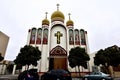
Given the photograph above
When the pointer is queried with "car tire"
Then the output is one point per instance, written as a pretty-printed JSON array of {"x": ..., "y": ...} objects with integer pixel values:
[{"x": 86, "y": 79}]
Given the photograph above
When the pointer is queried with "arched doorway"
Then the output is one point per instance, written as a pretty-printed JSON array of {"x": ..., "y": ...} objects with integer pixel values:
[{"x": 58, "y": 58}]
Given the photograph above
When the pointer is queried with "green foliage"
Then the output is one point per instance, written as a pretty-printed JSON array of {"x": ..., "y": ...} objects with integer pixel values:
[
  {"x": 100, "y": 58},
  {"x": 28, "y": 55},
  {"x": 78, "y": 57},
  {"x": 108, "y": 56},
  {"x": 18, "y": 67}
]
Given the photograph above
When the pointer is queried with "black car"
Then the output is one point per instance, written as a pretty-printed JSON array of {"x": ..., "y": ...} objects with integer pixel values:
[
  {"x": 31, "y": 74},
  {"x": 97, "y": 76},
  {"x": 56, "y": 74}
]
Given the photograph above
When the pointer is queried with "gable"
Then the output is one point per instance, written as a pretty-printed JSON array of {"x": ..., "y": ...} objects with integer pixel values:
[{"x": 58, "y": 51}]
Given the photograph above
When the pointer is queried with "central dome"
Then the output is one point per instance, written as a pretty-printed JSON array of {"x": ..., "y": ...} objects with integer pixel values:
[{"x": 57, "y": 15}]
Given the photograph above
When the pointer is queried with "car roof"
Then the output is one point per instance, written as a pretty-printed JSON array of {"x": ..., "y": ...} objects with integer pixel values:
[
  {"x": 99, "y": 73},
  {"x": 58, "y": 71}
]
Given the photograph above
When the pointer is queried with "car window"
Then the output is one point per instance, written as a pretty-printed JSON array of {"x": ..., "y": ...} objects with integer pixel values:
[{"x": 97, "y": 73}]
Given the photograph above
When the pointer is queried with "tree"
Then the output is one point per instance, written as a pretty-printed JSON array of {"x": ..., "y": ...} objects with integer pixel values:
[
  {"x": 108, "y": 57},
  {"x": 28, "y": 55},
  {"x": 1, "y": 58},
  {"x": 78, "y": 57}
]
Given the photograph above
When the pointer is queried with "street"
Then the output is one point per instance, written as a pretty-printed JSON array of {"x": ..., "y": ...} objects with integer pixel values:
[{"x": 14, "y": 77}]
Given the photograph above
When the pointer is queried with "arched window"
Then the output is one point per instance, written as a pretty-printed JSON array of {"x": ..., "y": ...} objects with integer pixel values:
[
  {"x": 45, "y": 36},
  {"x": 71, "y": 37},
  {"x": 33, "y": 36},
  {"x": 39, "y": 36},
  {"x": 77, "y": 38},
  {"x": 82, "y": 34}
]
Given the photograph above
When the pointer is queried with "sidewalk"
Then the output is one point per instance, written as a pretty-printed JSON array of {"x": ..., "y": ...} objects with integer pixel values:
[
  {"x": 8, "y": 77},
  {"x": 14, "y": 77}
]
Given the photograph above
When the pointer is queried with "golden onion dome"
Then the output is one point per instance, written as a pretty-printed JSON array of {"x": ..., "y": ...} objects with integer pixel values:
[
  {"x": 57, "y": 15},
  {"x": 69, "y": 22},
  {"x": 45, "y": 21}
]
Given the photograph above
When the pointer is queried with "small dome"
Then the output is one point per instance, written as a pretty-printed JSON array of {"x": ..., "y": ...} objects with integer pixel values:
[
  {"x": 69, "y": 23},
  {"x": 57, "y": 15},
  {"x": 45, "y": 22}
]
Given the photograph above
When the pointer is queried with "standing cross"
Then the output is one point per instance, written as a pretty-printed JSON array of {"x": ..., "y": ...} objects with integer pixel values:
[
  {"x": 46, "y": 15},
  {"x": 58, "y": 6},
  {"x": 58, "y": 35},
  {"x": 69, "y": 15}
]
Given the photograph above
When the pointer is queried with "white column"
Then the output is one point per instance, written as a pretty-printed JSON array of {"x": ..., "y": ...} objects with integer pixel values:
[
  {"x": 3, "y": 69},
  {"x": 14, "y": 68}
]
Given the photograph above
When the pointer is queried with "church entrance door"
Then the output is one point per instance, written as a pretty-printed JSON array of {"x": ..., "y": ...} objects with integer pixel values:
[
  {"x": 58, "y": 58},
  {"x": 58, "y": 63}
]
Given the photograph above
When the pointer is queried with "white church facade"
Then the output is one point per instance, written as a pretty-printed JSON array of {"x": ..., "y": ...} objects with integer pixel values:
[{"x": 55, "y": 38}]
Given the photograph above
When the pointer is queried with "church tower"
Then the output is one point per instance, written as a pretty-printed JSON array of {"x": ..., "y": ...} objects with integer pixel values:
[
  {"x": 55, "y": 39},
  {"x": 58, "y": 39}
]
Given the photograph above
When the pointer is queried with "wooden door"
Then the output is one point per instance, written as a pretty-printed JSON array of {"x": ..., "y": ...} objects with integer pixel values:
[{"x": 60, "y": 63}]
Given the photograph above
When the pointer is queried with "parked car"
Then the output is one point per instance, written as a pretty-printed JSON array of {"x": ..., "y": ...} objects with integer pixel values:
[
  {"x": 29, "y": 75},
  {"x": 57, "y": 74},
  {"x": 97, "y": 76}
]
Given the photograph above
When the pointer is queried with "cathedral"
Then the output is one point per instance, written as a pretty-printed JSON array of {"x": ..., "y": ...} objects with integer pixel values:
[{"x": 55, "y": 38}]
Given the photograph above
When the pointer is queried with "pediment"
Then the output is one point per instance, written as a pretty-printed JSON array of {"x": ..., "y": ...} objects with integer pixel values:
[{"x": 58, "y": 51}]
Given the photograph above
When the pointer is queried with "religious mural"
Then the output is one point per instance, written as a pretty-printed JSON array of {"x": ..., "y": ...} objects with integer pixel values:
[
  {"x": 39, "y": 35},
  {"x": 45, "y": 36},
  {"x": 58, "y": 51},
  {"x": 33, "y": 35},
  {"x": 77, "y": 38},
  {"x": 82, "y": 34},
  {"x": 71, "y": 37}
]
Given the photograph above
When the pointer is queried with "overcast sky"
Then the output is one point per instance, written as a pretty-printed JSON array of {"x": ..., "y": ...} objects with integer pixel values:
[{"x": 100, "y": 18}]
